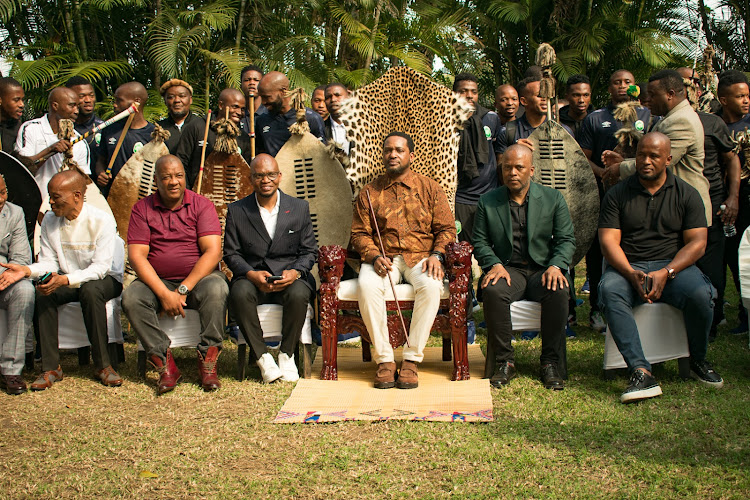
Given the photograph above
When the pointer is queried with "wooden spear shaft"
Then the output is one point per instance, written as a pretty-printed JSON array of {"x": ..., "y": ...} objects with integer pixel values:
[
  {"x": 203, "y": 153},
  {"x": 390, "y": 279}
]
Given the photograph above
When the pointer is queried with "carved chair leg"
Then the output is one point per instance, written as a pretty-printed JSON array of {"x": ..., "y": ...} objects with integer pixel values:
[
  {"x": 366, "y": 353},
  {"x": 446, "y": 347},
  {"x": 330, "y": 348}
]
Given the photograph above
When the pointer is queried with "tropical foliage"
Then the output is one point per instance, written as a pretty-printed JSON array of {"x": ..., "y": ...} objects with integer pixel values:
[{"x": 207, "y": 42}]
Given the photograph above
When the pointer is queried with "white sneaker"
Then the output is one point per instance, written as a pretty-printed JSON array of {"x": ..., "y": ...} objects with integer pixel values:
[
  {"x": 269, "y": 370},
  {"x": 288, "y": 368},
  {"x": 596, "y": 321}
]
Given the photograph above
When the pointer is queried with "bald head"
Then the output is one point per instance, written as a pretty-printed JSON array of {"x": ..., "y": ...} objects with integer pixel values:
[
  {"x": 272, "y": 91},
  {"x": 66, "y": 190},
  {"x": 232, "y": 103},
  {"x": 168, "y": 161},
  {"x": 657, "y": 139},
  {"x": 652, "y": 157},
  {"x": 506, "y": 102},
  {"x": 63, "y": 103},
  {"x": 128, "y": 93},
  {"x": 520, "y": 151},
  {"x": 274, "y": 80},
  {"x": 263, "y": 160}
]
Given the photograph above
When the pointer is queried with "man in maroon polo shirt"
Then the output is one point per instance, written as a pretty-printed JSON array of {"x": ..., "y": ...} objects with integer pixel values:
[{"x": 174, "y": 246}]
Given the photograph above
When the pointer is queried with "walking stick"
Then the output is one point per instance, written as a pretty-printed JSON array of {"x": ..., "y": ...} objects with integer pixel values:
[
  {"x": 252, "y": 126},
  {"x": 203, "y": 153},
  {"x": 390, "y": 279},
  {"x": 123, "y": 114},
  {"x": 119, "y": 143}
]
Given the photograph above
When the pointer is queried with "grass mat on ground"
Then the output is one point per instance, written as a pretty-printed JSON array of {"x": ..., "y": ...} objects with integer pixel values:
[{"x": 82, "y": 440}]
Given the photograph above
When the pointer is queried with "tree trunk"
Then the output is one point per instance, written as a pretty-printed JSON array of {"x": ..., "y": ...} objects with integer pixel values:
[
  {"x": 69, "y": 36},
  {"x": 368, "y": 61},
  {"x": 79, "y": 30},
  {"x": 240, "y": 24}
]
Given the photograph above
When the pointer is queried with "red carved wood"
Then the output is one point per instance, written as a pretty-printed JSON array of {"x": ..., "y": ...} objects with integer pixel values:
[{"x": 450, "y": 321}]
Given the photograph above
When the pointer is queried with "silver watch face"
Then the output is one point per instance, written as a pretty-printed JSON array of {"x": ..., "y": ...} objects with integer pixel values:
[{"x": 182, "y": 290}]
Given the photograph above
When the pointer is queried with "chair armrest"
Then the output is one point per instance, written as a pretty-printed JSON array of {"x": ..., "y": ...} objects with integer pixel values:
[{"x": 331, "y": 260}]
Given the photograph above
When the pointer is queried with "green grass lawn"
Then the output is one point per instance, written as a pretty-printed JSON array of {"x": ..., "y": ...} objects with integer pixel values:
[{"x": 82, "y": 440}]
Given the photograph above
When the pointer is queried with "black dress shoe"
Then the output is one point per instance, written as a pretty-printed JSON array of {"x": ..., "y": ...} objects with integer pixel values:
[
  {"x": 551, "y": 378},
  {"x": 504, "y": 373}
]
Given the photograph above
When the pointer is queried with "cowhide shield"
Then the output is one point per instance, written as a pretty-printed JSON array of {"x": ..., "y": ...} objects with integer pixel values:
[
  {"x": 134, "y": 181},
  {"x": 309, "y": 173},
  {"x": 226, "y": 179},
  {"x": 407, "y": 101},
  {"x": 560, "y": 164},
  {"x": 22, "y": 189}
]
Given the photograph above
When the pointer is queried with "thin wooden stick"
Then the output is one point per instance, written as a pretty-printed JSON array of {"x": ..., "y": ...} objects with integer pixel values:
[
  {"x": 203, "y": 153},
  {"x": 390, "y": 279},
  {"x": 119, "y": 144},
  {"x": 251, "y": 110}
]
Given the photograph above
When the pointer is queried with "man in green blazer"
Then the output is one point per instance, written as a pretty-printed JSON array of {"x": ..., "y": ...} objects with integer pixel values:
[{"x": 524, "y": 243}]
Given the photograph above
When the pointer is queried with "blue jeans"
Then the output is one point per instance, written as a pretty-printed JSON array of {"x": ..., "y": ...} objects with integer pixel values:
[{"x": 690, "y": 291}]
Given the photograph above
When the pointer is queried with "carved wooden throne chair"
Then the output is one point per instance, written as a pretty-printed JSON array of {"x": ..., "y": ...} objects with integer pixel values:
[{"x": 337, "y": 296}]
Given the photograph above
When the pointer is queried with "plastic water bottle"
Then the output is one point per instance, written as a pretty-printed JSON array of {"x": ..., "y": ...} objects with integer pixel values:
[{"x": 729, "y": 229}]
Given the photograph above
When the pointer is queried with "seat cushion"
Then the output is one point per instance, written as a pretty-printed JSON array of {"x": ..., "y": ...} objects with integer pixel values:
[{"x": 349, "y": 290}]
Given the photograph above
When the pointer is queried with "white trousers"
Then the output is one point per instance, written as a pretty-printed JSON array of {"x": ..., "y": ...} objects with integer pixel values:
[{"x": 372, "y": 288}]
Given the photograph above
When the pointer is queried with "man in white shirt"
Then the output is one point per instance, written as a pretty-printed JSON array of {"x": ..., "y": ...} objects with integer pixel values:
[
  {"x": 37, "y": 138},
  {"x": 76, "y": 264},
  {"x": 336, "y": 94}
]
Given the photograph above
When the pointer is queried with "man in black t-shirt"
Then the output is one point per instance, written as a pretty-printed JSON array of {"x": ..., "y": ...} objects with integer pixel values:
[
  {"x": 87, "y": 117},
  {"x": 597, "y": 134},
  {"x": 11, "y": 111},
  {"x": 190, "y": 148},
  {"x": 652, "y": 229},
  {"x": 137, "y": 136},
  {"x": 578, "y": 95}
]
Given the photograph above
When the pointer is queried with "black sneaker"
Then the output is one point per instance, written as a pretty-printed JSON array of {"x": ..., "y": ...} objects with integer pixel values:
[
  {"x": 504, "y": 372},
  {"x": 703, "y": 372},
  {"x": 642, "y": 386}
]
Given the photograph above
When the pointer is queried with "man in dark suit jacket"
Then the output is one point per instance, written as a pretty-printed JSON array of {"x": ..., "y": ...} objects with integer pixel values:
[
  {"x": 270, "y": 247},
  {"x": 524, "y": 242}
]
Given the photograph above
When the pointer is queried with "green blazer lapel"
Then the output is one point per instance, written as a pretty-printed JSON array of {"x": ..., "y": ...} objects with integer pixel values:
[
  {"x": 503, "y": 212},
  {"x": 534, "y": 210}
]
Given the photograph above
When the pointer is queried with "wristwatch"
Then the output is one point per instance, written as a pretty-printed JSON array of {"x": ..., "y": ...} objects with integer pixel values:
[
  {"x": 183, "y": 290},
  {"x": 670, "y": 272},
  {"x": 439, "y": 256},
  {"x": 299, "y": 273}
]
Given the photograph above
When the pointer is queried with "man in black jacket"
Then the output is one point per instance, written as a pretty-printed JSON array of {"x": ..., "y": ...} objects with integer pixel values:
[{"x": 270, "y": 247}]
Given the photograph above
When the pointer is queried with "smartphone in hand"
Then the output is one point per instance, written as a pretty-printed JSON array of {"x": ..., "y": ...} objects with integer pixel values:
[
  {"x": 271, "y": 279},
  {"x": 45, "y": 278}
]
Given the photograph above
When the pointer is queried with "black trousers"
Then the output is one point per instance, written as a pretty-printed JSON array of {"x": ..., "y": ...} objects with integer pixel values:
[
  {"x": 712, "y": 265},
  {"x": 465, "y": 215},
  {"x": 594, "y": 260},
  {"x": 244, "y": 299},
  {"x": 526, "y": 284},
  {"x": 93, "y": 296}
]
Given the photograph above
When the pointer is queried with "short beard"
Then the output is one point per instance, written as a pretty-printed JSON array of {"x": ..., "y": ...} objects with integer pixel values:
[
  {"x": 179, "y": 116},
  {"x": 651, "y": 177},
  {"x": 396, "y": 171}
]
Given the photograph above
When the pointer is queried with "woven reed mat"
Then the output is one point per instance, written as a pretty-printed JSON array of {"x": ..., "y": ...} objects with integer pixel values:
[{"x": 352, "y": 396}]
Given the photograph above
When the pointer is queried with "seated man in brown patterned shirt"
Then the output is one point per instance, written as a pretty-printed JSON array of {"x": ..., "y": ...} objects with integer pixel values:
[{"x": 416, "y": 223}]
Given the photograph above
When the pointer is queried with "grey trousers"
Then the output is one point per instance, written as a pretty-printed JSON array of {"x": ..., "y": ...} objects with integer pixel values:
[
  {"x": 93, "y": 296},
  {"x": 208, "y": 297},
  {"x": 18, "y": 301}
]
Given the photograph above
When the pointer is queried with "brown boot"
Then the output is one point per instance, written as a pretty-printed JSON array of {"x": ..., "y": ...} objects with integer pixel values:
[
  {"x": 108, "y": 376},
  {"x": 46, "y": 379},
  {"x": 169, "y": 375},
  {"x": 408, "y": 377},
  {"x": 207, "y": 369},
  {"x": 385, "y": 377}
]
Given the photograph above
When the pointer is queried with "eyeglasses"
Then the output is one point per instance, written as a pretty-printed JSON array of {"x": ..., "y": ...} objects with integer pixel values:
[{"x": 271, "y": 176}]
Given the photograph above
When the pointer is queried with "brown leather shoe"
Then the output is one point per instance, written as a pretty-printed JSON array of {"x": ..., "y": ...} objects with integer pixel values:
[
  {"x": 46, "y": 379},
  {"x": 109, "y": 376},
  {"x": 385, "y": 377},
  {"x": 13, "y": 384},
  {"x": 207, "y": 369},
  {"x": 408, "y": 378},
  {"x": 169, "y": 375}
]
